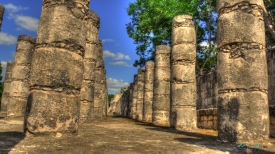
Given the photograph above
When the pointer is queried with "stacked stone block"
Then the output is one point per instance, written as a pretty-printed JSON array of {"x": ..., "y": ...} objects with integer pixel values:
[
  {"x": 140, "y": 93},
  {"x": 133, "y": 105},
  {"x": 148, "y": 92},
  {"x": 242, "y": 72},
  {"x": 19, "y": 87},
  {"x": 7, "y": 86},
  {"x": 207, "y": 118},
  {"x": 130, "y": 100},
  {"x": 105, "y": 97},
  {"x": 183, "y": 76},
  {"x": 2, "y": 10},
  {"x": 99, "y": 86},
  {"x": 87, "y": 89},
  {"x": 57, "y": 67},
  {"x": 161, "y": 91},
  {"x": 207, "y": 90}
]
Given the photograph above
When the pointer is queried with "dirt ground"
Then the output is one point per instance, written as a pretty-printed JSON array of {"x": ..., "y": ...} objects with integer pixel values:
[{"x": 115, "y": 135}]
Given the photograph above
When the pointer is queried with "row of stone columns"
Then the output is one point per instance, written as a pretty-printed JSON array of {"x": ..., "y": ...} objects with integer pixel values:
[{"x": 242, "y": 76}]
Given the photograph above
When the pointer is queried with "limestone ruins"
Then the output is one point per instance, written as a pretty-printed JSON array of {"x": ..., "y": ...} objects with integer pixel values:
[{"x": 58, "y": 80}]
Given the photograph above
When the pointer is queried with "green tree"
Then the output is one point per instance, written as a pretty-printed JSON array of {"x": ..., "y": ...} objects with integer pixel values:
[
  {"x": 122, "y": 90},
  {"x": 151, "y": 22},
  {"x": 110, "y": 96}
]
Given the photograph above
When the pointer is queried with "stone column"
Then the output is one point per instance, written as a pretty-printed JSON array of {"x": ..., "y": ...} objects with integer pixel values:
[
  {"x": 148, "y": 91},
  {"x": 99, "y": 83},
  {"x": 2, "y": 10},
  {"x": 140, "y": 92},
  {"x": 130, "y": 100},
  {"x": 134, "y": 99},
  {"x": 7, "y": 86},
  {"x": 183, "y": 77},
  {"x": 57, "y": 67},
  {"x": 161, "y": 91},
  {"x": 242, "y": 72},
  {"x": 104, "y": 95},
  {"x": 87, "y": 90},
  {"x": 19, "y": 89}
]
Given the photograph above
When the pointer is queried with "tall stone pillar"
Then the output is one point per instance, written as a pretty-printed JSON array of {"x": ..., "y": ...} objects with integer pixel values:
[
  {"x": 242, "y": 72},
  {"x": 57, "y": 67},
  {"x": 99, "y": 83},
  {"x": 140, "y": 93},
  {"x": 87, "y": 89},
  {"x": 183, "y": 77},
  {"x": 134, "y": 99},
  {"x": 130, "y": 100},
  {"x": 2, "y": 10},
  {"x": 148, "y": 92},
  {"x": 161, "y": 91},
  {"x": 7, "y": 86},
  {"x": 104, "y": 94},
  {"x": 19, "y": 89}
]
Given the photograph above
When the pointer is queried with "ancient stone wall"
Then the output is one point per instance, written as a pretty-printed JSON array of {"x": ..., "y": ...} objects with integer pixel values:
[
  {"x": 19, "y": 88},
  {"x": 207, "y": 90},
  {"x": 148, "y": 92},
  {"x": 2, "y": 10},
  {"x": 161, "y": 91},
  {"x": 7, "y": 86},
  {"x": 242, "y": 72},
  {"x": 87, "y": 89},
  {"x": 207, "y": 118},
  {"x": 140, "y": 93},
  {"x": 130, "y": 100},
  {"x": 115, "y": 105},
  {"x": 57, "y": 67},
  {"x": 183, "y": 76}
]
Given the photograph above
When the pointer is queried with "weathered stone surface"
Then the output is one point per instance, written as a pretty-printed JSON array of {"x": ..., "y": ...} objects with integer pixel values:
[
  {"x": 242, "y": 72},
  {"x": 7, "y": 86},
  {"x": 148, "y": 92},
  {"x": 2, "y": 10},
  {"x": 140, "y": 93},
  {"x": 133, "y": 105},
  {"x": 161, "y": 90},
  {"x": 183, "y": 76},
  {"x": 57, "y": 112},
  {"x": 130, "y": 100},
  {"x": 20, "y": 76},
  {"x": 57, "y": 67},
  {"x": 90, "y": 56}
]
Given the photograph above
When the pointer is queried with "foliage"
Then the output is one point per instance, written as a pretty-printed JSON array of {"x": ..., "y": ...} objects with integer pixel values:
[
  {"x": 110, "y": 96},
  {"x": 122, "y": 90},
  {"x": 151, "y": 26},
  {"x": 151, "y": 22}
]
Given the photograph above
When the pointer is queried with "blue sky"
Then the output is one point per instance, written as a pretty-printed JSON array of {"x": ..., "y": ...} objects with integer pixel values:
[{"x": 22, "y": 17}]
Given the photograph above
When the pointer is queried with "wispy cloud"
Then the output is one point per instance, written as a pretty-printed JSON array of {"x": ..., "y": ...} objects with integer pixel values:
[
  {"x": 118, "y": 56},
  {"x": 27, "y": 22},
  {"x": 120, "y": 63},
  {"x": 107, "y": 40},
  {"x": 24, "y": 22},
  {"x": 4, "y": 67},
  {"x": 114, "y": 85},
  {"x": 13, "y": 9},
  {"x": 7, "y": 39}
]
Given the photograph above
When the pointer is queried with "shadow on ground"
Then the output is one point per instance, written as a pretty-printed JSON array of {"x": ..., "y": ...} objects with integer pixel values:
[
  {"x": 10, "y": 139},
  {"x": 208, "y": 139}
]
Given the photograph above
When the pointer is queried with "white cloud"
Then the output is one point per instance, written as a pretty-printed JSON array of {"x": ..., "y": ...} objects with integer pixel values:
[
  {"x": 114, "y": 85},
  {"x": 13, "y": 9},
  {"x": 4, "y": 67},
  {"x": 27, "y": 22},
  {"x": 204, "y": 44},
  {"x": 120, "y": 63},
  {"x": 107, "y": 40},
  {"x": 118, "y": 56},
  {"x": 7, "y": 39}
]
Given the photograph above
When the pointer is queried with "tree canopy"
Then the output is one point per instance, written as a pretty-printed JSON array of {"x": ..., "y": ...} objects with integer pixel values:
[{"x": 151, "y": 25}]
